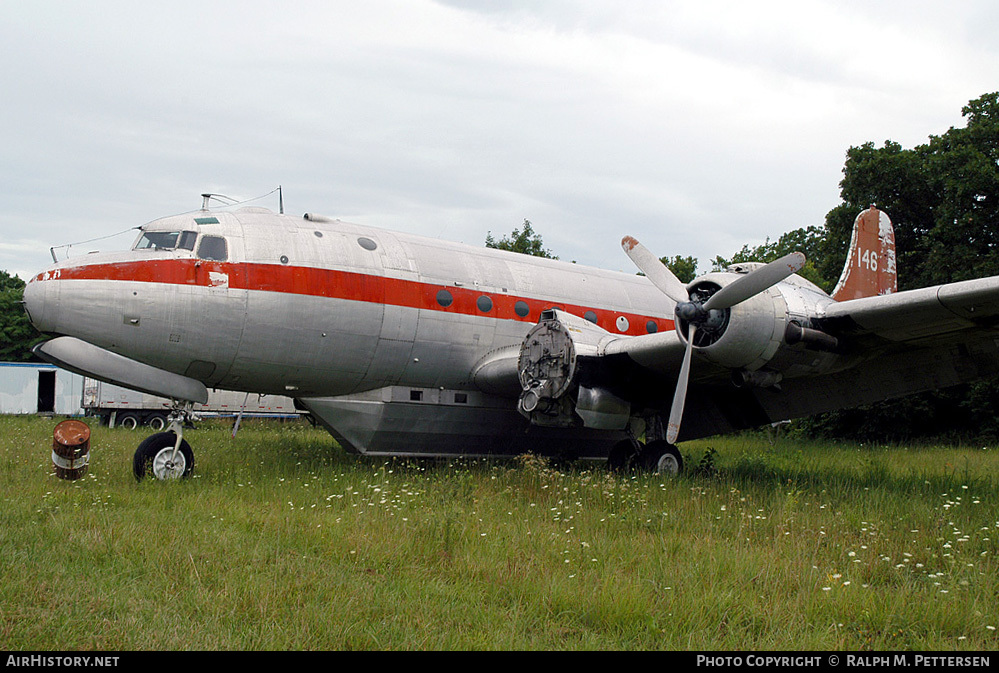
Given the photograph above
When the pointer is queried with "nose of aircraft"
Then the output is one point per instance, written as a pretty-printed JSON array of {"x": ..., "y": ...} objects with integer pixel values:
[{"x": 35, "y": 300}]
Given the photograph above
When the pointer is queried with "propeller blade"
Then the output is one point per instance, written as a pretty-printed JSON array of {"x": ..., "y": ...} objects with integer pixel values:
[
  {"x": 655, "y": 270},
  {"x": 755, "y": 282},
  {"x": 680, "y": 396}
]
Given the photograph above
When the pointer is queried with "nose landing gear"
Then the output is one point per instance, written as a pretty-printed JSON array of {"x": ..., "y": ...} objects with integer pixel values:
[{"x": 166, "y": 455}]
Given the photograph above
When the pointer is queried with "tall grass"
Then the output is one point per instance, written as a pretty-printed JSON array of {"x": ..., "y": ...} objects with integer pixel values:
[{"x": 282, "y": 541}]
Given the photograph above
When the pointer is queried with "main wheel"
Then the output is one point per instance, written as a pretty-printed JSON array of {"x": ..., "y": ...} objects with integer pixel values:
[
  {"x": 155, "y": 456},
  {"x": 661, "y": 457},
  {"x": 622, "y": 456}
]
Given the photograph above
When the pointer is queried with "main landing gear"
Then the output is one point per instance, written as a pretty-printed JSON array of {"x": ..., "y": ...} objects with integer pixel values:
[
  {"x": 657, "y": 457},
  {"x": 166, "y": 455}
]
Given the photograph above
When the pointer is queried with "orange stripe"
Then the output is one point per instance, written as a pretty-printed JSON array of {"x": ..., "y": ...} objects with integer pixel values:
[{"x": 309, "y": 281}]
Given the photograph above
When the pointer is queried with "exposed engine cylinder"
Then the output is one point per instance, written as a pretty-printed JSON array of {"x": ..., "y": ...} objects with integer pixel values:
[{"x": 549, "y": 368}]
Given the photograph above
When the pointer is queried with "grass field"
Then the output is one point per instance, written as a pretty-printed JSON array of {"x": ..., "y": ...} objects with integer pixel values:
[{"x": 282, "y": 541}]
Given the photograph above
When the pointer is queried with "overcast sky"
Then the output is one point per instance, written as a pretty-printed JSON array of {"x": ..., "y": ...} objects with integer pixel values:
[{"x": 695, "y": 126}]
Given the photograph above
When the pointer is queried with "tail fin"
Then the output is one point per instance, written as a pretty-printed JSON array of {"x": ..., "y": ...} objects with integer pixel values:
[{"x": 870, "y": 262}]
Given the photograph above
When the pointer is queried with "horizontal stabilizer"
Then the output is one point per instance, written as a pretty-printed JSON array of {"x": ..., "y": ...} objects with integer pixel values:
[{"x": 88, "y": 360}]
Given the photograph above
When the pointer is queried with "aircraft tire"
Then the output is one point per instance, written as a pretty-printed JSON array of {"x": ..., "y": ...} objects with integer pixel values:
[
  {"x": 152, "y": 458},
  {"x": 128, "y": 421},
  {"x": 622, "y": 456},
  {"x": 661, "y": 457}
]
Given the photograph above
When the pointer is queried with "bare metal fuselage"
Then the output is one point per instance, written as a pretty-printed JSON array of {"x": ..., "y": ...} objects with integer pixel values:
[{"x": 322, "y": 309}]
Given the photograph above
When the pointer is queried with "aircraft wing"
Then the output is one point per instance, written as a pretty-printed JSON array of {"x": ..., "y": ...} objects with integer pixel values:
[
  {"x": 890, "y": 346},
  {"x": 886, "y": 346},
  {"x": 917, "y": 315}
]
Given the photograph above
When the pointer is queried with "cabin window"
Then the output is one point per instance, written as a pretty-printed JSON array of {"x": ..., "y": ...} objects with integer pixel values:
[
  {"x": 591, "y": 316},
  {"x": 651, "y": 327},
  {"x": 186, "y": 240},
  {"x": 213, "y": 248},
  {"x": 522, "y": 309},
  {"x": 484, "y": 303},
  {"x": 444, "y": 298}
]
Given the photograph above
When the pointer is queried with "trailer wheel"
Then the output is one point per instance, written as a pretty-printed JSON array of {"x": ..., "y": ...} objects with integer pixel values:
[
  {"x": 128, "y": 421},
  {"x": 156, "y": 422},
  {"x": 155, "y": 457}
]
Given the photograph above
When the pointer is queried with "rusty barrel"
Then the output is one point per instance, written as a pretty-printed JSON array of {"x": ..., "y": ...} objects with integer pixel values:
[{"x": 71, "y": 449}]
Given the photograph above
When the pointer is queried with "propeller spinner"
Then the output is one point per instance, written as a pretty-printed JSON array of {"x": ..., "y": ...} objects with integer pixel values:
[{"x": 704, "y": 313}]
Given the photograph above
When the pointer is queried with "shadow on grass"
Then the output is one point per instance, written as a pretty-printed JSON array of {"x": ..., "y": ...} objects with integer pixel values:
[{"x": 869, "y": 473}]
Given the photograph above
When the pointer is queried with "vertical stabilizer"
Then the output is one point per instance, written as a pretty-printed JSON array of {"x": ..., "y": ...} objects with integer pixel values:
[{"x": 870, "y": 262}]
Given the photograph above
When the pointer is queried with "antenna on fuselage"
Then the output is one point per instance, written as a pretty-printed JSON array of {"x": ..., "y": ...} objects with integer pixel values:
[
  {"x": 280, "y": 200},
  {"x": 221, "y": 198}
]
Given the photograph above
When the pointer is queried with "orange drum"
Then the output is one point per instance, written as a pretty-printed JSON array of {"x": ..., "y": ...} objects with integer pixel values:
[{"x": 71, "y": 449}]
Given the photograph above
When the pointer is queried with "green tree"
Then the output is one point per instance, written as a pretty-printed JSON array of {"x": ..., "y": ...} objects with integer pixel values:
[
  {"x": 684, "y": 268},
  {"x": 17, "y": 335},
  {"x": 523, "y": 240},
  {"x": 943, "y": 199},
  {"x": 809, "y": 240},
  {"x": 962, "y": 166}
]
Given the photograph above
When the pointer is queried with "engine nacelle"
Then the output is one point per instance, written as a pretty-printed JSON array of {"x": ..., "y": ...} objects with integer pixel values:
[
  {"x": 745, "y": 336},
  {"x": 549, "y": 371}
]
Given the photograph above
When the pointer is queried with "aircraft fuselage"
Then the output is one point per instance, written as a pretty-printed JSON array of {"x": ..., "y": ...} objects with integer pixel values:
[{"x": 318, "y": 307}]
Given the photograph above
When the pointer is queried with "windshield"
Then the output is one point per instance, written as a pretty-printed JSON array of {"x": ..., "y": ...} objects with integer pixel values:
[{"x": 167, "y": 240}]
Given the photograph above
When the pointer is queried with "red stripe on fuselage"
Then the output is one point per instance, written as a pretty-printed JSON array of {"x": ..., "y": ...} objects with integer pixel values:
[{"x": 347, "y": 285}]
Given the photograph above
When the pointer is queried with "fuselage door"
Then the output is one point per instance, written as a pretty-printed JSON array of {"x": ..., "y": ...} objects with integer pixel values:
[{"x": 219, "y": 278}]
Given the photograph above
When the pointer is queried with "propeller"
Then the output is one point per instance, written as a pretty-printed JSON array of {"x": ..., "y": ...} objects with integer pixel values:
[
  {"x": 700, "y": 314},
  {"x": 755, "y": 282},
  {"x": 680, "y": 394},
  {"x": 656, "y": 271}
]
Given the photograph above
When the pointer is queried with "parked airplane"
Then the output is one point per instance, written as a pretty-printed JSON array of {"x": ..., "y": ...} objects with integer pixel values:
[{"x": 406, "y": 346}]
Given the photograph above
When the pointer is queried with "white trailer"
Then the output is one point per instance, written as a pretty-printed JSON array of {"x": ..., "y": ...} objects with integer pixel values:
[{"x": 123, "y": 407}]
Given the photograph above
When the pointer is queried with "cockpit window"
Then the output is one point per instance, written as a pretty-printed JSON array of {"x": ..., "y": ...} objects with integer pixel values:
[
  {"x": 167, "y": 240},
  {"x": 186, "y": 241},
  {"x": 213, "y": 248}
]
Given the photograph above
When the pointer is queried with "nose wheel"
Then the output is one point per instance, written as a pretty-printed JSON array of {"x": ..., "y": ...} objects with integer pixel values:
[
  {"x": 165, "y": 455},
  {"x": 160, "y": 456}
]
